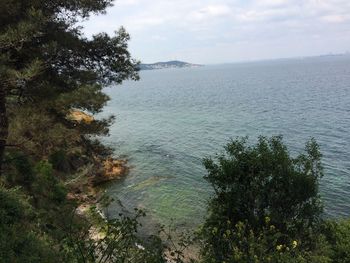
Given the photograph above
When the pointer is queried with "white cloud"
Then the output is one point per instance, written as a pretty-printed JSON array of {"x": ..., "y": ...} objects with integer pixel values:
[
  {"x": 145, "y": 22},
  {"x": 126, "y": 2},
  {"x": 166, "y": 27},
  {"x": 211, "y": 11},
  {"x": 272, "y": 3},
  {"x": 158, "y": 38},
  {"x": 336, "y": 18},
  {"x": 261, "y": 15}
]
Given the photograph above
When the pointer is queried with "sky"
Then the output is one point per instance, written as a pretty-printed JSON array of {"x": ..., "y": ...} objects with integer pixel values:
[{"x": 225, "y": 31}]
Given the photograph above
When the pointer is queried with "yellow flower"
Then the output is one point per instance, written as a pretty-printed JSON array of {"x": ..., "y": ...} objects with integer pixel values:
[
  {"x": 239, "y": 225},
  {"x": 294, "y": 244},
  {"x": 279, "y": 247},
  {"x": 267, "y": 220}
]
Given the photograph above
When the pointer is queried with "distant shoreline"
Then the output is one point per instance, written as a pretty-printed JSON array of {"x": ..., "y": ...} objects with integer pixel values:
[
  {"x": 167, "y": 65},
  {"x": 343, "y": 55}
]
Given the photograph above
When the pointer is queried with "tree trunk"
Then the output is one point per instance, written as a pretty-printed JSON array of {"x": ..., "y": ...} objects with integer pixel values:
[{"x": 3, "y": 125}]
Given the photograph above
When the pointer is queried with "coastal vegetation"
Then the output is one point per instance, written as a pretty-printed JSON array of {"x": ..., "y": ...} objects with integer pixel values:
[{"x": 266, "y": 205}]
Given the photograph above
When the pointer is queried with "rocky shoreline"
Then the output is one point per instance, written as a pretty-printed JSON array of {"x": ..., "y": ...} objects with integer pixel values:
[
  {"x": 88, "y": 185},
  {"x": 88, "y": 189}
]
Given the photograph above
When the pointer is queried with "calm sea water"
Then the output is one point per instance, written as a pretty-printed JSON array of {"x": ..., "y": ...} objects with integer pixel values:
[{"x": 167, "y": 122}]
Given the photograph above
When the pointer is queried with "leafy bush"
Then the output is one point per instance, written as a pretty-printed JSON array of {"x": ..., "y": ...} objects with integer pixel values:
[
  {"x": 243, "y": 245},
  {"x": 59, "y": 161},
  {"x": 19, "y": 242},
  {"x": 114, "y": 240},
  {"x": 338, "y": 236},
  {"x": 46, "y": 184},
  {"x": 252, "y": 183}
]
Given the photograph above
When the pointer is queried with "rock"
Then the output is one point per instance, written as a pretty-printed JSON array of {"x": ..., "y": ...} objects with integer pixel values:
[
  {"x": 80, "y": 116},
  {"x": 82, "y": 209},
  {"x": 112, "y": 169}
]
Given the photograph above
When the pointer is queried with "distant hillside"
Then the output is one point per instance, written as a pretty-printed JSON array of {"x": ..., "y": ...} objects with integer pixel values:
[{"x": 168, "y": 64}]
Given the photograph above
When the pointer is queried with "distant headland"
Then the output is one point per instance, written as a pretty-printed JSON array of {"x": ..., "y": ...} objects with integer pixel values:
[{"x": 168, "y": 64}]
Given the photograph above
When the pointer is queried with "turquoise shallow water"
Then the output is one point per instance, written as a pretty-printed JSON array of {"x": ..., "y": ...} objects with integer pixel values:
[{"x": 167, "y": 122}]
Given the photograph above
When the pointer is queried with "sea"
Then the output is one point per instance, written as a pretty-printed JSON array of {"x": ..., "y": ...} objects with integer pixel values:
[{"x": 171, "y": 119}]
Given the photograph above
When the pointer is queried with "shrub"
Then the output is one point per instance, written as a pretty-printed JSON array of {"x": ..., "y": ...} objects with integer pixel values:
[
  {"x": 252, "y": 183},
  {"x": 19, "y": 241},
  {"x": 338, "y": 236}
]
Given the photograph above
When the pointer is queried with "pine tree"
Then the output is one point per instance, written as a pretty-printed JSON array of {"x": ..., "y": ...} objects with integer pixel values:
[{"x": 47, "y": 62}]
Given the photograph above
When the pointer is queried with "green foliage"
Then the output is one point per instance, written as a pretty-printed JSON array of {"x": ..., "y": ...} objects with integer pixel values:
[
  {"x": 48, "y": 68},
  {"x": 266, "y": 206},
  {"x": 115, "y": 241},
  {"x": 47, "y": 64},
  {"x": 47, "y": 185},
  {"x": 59, "y": 161},
  {"x": 22, "y": 173},
  {"x": 44, "y": 53},
  {"x": 19, "y": 242},
  {"x": 15, "y": 35},
  {"x": 87, "y": 97},
  {"x": 38, "y": 133},
  {"x": 253, "y": 183},
  {"x": 338, "y": 236},
  {"x": 242, "y": 245}
]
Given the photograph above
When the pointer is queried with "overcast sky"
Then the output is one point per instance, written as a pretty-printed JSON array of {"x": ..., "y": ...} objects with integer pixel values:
[{"x": 220, "y": 31}]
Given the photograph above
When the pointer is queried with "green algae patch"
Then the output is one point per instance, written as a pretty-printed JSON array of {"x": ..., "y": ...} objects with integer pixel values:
[
  {"x": 148, "y": 183},
  {"x": 164, "y": 202}
]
